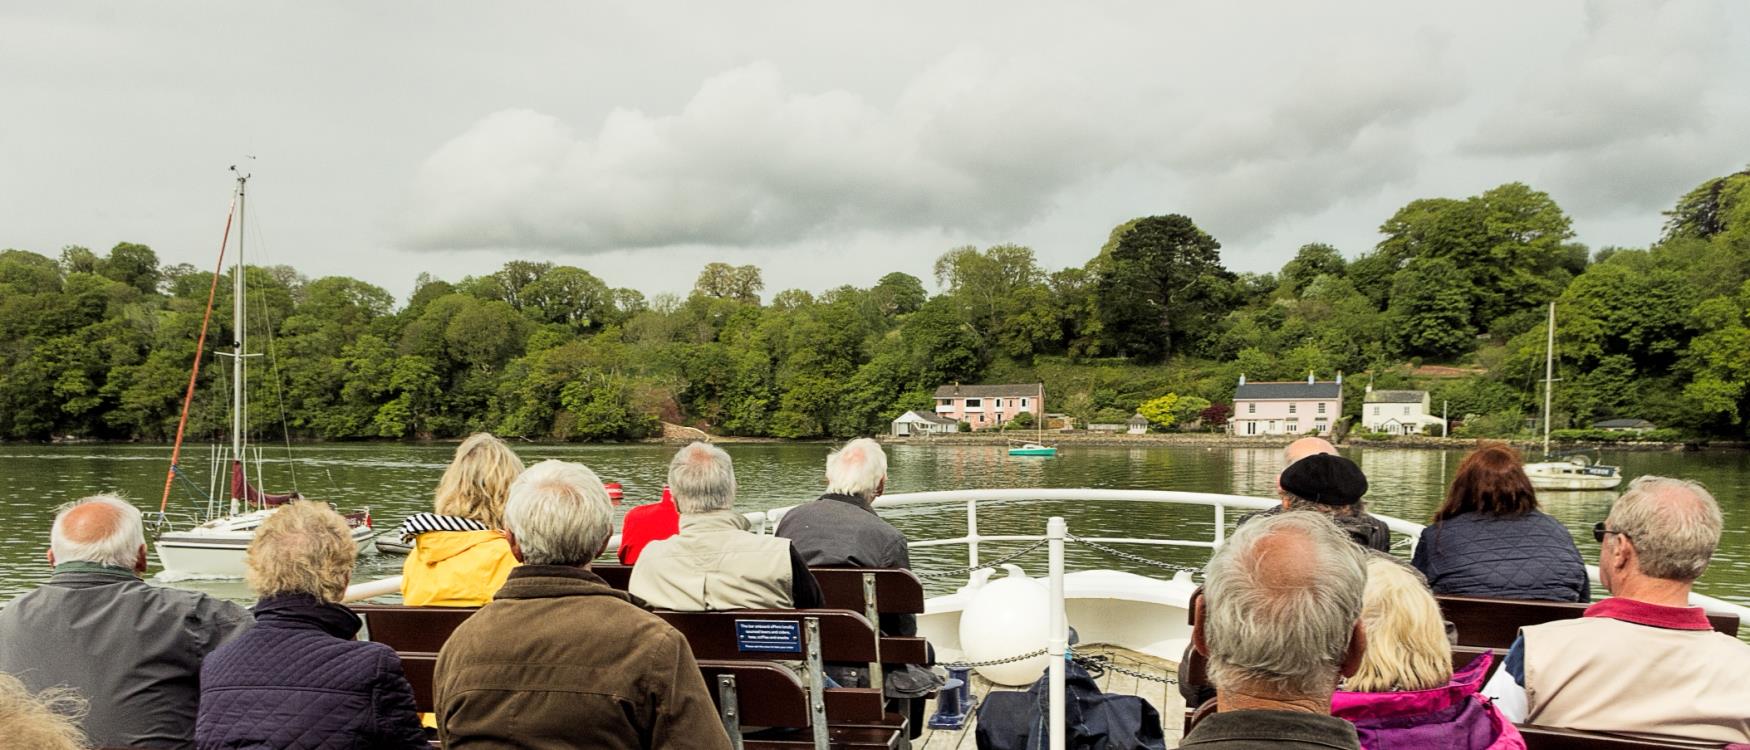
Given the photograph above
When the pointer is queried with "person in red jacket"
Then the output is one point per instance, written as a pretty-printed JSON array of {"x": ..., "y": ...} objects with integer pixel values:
[{"x": 646, "y": 524}]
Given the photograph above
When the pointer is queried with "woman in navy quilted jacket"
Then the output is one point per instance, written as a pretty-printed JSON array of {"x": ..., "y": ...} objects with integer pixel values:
[
  {"x": 1489, "y": 538},
  {"x": 298, "y": 680}
]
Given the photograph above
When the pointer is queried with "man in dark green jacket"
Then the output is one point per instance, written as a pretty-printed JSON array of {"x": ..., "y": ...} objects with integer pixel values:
[
  {"x": 558, "y": 659},
  {"x": 132, "y": 649}
]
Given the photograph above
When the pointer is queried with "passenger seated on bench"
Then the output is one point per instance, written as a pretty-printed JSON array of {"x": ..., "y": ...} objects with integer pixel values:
[
  {"x": 560, "y": 659},
  {"x": 459, "y": 553},
  {"x": 648, "y": 523},
  {"x": 1319, "y": 480},
  {"x": 131, "y": 649},
  {"x": 841, "y": 530},
  {"x": 715, "y": 562},
  {"x": 1643, "y": 662},
  {"x": 1405, "y": 694},
  {"x": 298, "y": 678},
  {"x": 1280, "y": 622},
  {"x": 1490, "y": 539},
  {"x": 43, "y": 721}
]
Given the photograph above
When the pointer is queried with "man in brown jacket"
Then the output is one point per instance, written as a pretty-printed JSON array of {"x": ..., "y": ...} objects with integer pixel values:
[{"x": 558, "y": 659}]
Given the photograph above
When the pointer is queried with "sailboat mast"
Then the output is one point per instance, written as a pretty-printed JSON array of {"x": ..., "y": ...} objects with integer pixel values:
[
  {"x": 238, "y": 339},
  {"x": 1549, "y": 374}
]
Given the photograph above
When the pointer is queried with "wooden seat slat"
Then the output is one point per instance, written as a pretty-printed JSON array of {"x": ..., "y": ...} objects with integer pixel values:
[
  {"x": 1492, "y": 622},
  {"x": 1551, "y": 738},
  {"x": 897, "y": 591},
  {"x": 844, "y": 636}
]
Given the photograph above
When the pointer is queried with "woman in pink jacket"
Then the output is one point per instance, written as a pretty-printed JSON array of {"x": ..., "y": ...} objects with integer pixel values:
[{"x": 1406, "y": 695}]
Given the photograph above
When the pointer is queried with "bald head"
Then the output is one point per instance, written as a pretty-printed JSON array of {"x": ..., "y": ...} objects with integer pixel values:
[
  {"x": 102, "y": 529},
  {"x": 702, "y": 479},
  {"x": 1674, "y": 525},
  {"x": 1307, "y": 446}
]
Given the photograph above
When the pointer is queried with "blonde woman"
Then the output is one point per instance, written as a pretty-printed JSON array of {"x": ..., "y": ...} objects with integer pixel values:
[
  {"x": 460, "y": 555},
  {"x": 298, "y": 678},
  {"x": 43, "y": 721},
  {"x": 1405, "y": 694}
]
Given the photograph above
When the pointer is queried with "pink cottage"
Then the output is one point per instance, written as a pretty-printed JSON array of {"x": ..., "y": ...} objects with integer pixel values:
[
  {"x": 989, "y": 405},
  {"x": 1292, "y": 408}
]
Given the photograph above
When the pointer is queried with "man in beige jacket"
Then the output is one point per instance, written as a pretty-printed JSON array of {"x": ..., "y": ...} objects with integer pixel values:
[
  {"x": 1643, "y": 662},
  {"x": 716, "y": 562}
]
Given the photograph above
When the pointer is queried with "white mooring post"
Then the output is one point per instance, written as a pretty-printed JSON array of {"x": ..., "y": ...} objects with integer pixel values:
[{"x": 1057, "y": 641}]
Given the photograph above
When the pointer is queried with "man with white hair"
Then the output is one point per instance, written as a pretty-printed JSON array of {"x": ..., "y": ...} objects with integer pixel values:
[
  {"x": 560, "y": 659},
  {"x": 840, "y": 528},
  {"x": 715, "y": 562},
  {"x": 1642, "y": 662},
  {"x": 131, "y": 649},
  {"x": 1280, "y": 623}
]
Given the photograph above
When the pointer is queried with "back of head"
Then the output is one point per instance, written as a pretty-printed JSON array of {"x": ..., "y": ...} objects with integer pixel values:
[
  {"x": 45, "y": 721},
  {"x": 1490, "y": 481},
  {"x": 1406, "y": 636},
  {"x": 1324, "y": 479},
  {"x": 701, "y": 478},
  {"x": 1307, "y": 446},
  {"x": 102, "y": 529},
  {"x": 559, "y": 513},
  {"x": 302, "y": 548},
  {"x": 1674, "y": 525},
  {"x": 1281, "y": 599},
  {"x": 857, "y": 469},
  {"x": 478, "y": 480}
]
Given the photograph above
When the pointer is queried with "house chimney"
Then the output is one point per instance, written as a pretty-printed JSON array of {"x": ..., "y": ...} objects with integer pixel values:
[
  {"x": 1242, "y": 378},
  {"x": 1339, "y": 377},
  {"x": 1309, "y": 377}
]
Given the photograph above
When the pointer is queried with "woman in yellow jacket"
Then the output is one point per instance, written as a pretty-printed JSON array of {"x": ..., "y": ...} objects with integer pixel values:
[{"x": 460, "y": 555}]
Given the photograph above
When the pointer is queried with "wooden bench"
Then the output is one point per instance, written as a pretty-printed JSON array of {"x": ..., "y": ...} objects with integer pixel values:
[
  {"x": 747, "y": 685},
  {"x": 1495, "y": 623},
  {"x": 1551, "y": 738}
]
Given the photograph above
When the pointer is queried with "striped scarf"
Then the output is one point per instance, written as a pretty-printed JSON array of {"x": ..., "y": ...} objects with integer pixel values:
[{"x": 420, "y": 523}]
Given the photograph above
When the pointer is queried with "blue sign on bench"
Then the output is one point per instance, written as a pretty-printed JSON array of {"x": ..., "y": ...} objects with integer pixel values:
[{"x": 768, "y": 636}]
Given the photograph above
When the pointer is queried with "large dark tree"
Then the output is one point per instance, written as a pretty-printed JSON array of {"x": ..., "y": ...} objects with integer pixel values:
[{"x": 1160, "y": 287}]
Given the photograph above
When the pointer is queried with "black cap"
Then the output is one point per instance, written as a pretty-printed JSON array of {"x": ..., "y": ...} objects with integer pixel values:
[{"x": 1325, "y": 479}]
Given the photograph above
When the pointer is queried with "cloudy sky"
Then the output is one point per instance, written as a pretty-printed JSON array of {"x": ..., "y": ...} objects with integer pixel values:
[{"x": 830, "y": 143}]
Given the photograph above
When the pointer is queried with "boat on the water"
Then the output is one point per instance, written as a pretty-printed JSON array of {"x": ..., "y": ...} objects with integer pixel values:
[
  {"x": 213, "y": 544},
  {"x": 1574, "y": 472},
  {"x": 1032, "y": 449}
]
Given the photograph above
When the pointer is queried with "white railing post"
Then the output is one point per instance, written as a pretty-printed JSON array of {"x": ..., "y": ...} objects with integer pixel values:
[
  {"x": 972, "y": 533},
  {"x": 1057, "y": 640},
  {"x": 1220, "y": 524}
]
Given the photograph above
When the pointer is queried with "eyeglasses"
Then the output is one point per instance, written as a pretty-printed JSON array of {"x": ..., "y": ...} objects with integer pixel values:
[{"x": 1599, "y": 530}]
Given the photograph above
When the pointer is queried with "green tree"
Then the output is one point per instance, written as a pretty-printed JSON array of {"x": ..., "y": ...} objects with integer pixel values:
[
  {"x": 1431, "y": 309},
  {"x": 1160, "y": 287},
  {"x": 724, "y": 281},
  {"x": 1161, "y": 411},
  {"x": 1312, "y": 261}
]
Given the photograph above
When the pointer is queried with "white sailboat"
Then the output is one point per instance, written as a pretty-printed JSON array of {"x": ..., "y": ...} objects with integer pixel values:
[
  {"x": 1575, "y": 472},
  {"x": 214, "y": 547}
]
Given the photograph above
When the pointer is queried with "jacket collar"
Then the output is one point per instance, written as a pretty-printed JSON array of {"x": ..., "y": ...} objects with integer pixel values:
[
  {"x": 1465, "y": 683},
  {"x": 550, "y": 581},
  {"x": 83, "y": 569},
  {"x": 1272, "y": 727},
  {"x": 1651, "y": 615},
  {"x": 306, "y": 612},
  {"x": 716, "y": 520},
  {"x": 852, "y": 499}
]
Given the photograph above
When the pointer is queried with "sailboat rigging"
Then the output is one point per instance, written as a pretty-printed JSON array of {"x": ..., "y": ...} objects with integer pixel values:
[
  {"x": 215, "y": 547},
  {"x": 1575, "y": 472}
]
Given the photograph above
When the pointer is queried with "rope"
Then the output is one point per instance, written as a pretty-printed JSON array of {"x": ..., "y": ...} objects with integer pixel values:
[
  {"x": 274, "y": 362},
  {"x": 195, "y": 371}
]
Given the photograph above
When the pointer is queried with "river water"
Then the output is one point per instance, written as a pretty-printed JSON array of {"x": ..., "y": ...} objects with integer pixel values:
[{"x": 394, "y": 480}]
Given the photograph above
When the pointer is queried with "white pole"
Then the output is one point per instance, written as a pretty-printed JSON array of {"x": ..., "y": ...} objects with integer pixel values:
[
  {"x": 1549, "y": 375},
  {"x": 237, "y": 348},
  {"x": 1058, "y": 641}
]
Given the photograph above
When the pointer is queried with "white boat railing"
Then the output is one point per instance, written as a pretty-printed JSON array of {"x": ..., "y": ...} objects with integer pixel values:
[{"x": 766, "y": 522}]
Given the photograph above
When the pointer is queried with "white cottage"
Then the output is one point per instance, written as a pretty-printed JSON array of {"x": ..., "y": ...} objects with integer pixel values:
[
  {"x": 922, "y": 423},
  {"x": 1400, "y": 413}
]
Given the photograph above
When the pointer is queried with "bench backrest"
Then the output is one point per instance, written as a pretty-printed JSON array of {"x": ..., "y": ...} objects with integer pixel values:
[
  {"x": 1495, "y": 623},
  {"x": 897, "y": 591},
  {"x": 1551, "y": 738}
]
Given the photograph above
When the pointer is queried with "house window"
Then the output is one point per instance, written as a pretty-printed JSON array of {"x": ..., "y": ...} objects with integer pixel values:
[
  {"x": 1294, "y": 425},
  {"x": 1292, "y": 407},
  {"x": 1376, "y": 411},
  {"x": 1320, "y": 426},
  {"x": 1251, "y": 408},
  {"x": 1406, "y": 410},
  {"x": 1023, "y": 403},
  {"x": 974, "y": 403},
  {"x": 1321, "y": 407}
]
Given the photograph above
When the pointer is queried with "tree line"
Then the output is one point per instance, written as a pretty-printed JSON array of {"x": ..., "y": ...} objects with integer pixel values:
[{"x": 99, "y": 346}]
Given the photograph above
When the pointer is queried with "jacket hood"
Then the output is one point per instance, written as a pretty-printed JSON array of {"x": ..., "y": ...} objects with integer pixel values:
[
  {"x": 437, "y": 546},
  {"x": 306, "y": 611},
  {"x": 1465, "y": 683}
]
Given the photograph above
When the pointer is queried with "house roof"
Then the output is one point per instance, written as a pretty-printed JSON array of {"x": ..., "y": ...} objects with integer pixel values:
[
  {"x": 1137, "y": 417},
  {"x": 991, "y": 391},
  {"x": 1290, "y": 390},
  {"x": 1395, "y": 397},
  {"x": 1624, "y": 424},
  {"x": 925, "y": 416}
]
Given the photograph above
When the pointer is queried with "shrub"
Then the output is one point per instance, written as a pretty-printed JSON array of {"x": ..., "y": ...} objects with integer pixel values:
[{"x": 1662, "y": 435}]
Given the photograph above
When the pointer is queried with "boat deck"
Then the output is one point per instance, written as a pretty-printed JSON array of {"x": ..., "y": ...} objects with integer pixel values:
[{"x": 1164, "y": 697}]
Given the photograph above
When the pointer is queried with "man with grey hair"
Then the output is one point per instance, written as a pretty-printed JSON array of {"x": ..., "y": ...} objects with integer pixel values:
[
  {"x": 133, "y": 650},
  {"x": 1280, "y": 623},
  {"x": 560, "y": 659},
  {"x": 840, "y": 529},
  {"x": 1643, "y": 662},
  {"x": 715, "y": 562}
]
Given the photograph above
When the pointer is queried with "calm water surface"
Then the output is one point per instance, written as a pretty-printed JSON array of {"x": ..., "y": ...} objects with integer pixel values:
[{"x": 395, "y": 480}]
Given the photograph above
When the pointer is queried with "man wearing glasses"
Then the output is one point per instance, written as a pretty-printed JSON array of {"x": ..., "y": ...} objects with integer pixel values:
[{"x": 1642, "y": 662}]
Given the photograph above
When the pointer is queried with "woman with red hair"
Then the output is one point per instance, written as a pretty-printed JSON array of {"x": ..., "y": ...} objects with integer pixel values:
[{"x": 1490, "y": 539}]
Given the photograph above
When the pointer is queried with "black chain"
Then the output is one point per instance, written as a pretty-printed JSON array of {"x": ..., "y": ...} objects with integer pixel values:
[
  {"x": 991, "y": 662},
  {"x": 958, "y": 572},
  {"x": 1133, "y": 558},
  {"x": 1097, "y": 664}
]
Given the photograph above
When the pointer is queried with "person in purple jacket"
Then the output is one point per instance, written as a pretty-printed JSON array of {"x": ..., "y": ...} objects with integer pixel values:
[
  {"x": 1405, "y": 693},
  {"x": 298, "y": 680}
]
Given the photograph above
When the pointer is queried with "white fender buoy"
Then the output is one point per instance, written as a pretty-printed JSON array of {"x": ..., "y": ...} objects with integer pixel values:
[{"x": 1007, "y": 617}]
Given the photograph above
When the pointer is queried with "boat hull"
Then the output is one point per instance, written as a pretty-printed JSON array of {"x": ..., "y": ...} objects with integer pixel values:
[
  {"x": 215, "y": 549},
  {"x": 1562, "y": 475},
  {"x": 1032, "y": 451}
]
